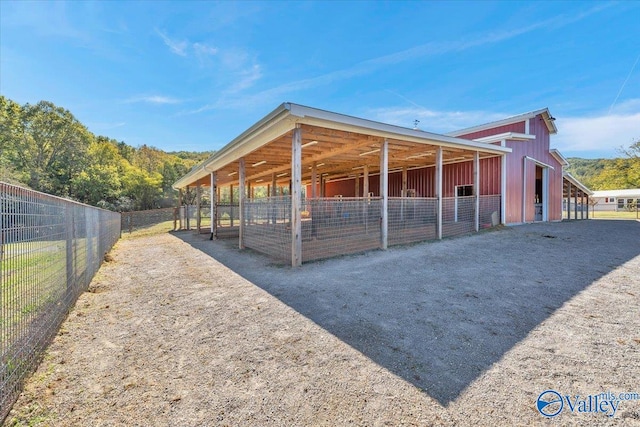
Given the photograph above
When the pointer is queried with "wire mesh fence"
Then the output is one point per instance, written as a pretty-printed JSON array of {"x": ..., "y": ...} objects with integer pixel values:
[
  {"x": 338, "y": 226},
  {"x": 412, "y": 219},
  {"x": 490, "y": 208},
  {"x": 136, "y": 220},
  {"x": 50, "y": 249}
]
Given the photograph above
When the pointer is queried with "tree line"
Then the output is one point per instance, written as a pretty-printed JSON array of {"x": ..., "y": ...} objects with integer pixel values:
[
  {"x": 609, "y": 174},
  {"x": 44, "y": 147}
]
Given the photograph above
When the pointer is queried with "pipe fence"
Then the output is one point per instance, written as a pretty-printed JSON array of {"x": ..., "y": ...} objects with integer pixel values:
[{"x": 50, "y": 249}]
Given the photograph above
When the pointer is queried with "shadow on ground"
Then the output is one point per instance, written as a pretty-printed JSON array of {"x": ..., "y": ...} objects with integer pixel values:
[{"x": 439, "y": 314}]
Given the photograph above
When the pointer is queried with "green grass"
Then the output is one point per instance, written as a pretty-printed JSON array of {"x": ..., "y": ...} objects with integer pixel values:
[{"x": 614, "y": 215}]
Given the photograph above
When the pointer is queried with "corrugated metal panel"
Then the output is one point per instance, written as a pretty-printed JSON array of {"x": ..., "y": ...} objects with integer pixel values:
[
  {"x": 423, "y": 180},
  {"x": 513, "y": 127}
]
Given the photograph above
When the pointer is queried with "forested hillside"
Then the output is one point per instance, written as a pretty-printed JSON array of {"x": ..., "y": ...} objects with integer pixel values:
[
  {"x": 46, "y": 148},
  {"x": 609, "y": 174}
]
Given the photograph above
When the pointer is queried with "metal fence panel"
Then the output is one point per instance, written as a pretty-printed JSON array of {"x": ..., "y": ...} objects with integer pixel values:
[
  {"x": 339, "y": 226},
  {"x": 267, "y": 226},
  {"x": 490, "y": 209},
  {"x": 50, "y": 249},
  {"x": 137, "y": 220},
  {"x": 412, "y": 219}
]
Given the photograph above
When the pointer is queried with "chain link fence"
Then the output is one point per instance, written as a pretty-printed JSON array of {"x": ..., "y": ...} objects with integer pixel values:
[{"x": 50, "y": 249}]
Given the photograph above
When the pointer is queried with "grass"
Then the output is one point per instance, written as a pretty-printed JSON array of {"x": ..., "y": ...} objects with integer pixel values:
[{"x": 614, "y": 215}]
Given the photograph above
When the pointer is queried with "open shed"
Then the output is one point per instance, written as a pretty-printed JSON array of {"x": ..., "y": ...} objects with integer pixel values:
[{"x": 334, "y": 184}]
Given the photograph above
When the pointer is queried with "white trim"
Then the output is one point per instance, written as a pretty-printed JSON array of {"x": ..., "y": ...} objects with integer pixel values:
[
  {"x": 559, "y": 157},
  {"x": 526, "y": 126},
  {"x": 503, "y": 189},
  {"x": 581, "y": 186},
  {"x": 545, "y": 194},
  {"x": 514, "y": 136},
  {"x": 539, "y": 163}
]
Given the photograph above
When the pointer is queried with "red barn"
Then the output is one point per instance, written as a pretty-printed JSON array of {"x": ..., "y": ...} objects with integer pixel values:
[{"x": 310, "y": 183}]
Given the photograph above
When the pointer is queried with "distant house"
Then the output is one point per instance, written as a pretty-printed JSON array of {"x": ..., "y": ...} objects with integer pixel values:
[
  {"x": 331, "y": 184},
  {"x": 615, "y": 200}
]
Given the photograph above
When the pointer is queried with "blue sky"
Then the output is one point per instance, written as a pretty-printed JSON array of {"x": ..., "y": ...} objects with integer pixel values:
[{"x": 193, "y": 75}]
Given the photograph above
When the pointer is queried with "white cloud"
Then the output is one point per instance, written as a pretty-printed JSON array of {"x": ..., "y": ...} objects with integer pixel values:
[
  {"x": 597, "y": 133},
  {"x": 153, "y": 99},
  {"x": 179, "y": 47},
  {"x": 432, "y": 120}
]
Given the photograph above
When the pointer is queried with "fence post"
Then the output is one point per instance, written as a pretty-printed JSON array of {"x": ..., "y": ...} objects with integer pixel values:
[{"x": 69, "y": 248}]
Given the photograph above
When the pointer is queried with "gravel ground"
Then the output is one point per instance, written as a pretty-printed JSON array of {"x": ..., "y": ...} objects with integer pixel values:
[{"x": 181, "y": 331}]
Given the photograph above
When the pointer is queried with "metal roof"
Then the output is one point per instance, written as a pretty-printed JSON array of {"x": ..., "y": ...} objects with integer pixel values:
[{"x": 264, "y": 136}]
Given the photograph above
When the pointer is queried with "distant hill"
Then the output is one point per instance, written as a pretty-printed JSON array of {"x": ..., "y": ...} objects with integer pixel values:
[{"x": 606, "y": 174}]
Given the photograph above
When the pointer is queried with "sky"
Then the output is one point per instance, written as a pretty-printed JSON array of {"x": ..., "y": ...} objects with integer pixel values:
[{"x": 194, "y": 75}]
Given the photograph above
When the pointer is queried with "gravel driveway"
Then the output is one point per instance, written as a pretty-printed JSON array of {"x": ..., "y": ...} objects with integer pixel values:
[{"x": 179, "y": 330}]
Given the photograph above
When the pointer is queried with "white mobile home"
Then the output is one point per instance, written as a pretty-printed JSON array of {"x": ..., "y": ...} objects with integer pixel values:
[{"x": 615, "y": 200}]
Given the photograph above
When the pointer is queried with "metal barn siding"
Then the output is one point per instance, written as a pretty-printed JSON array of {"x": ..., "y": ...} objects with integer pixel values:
[
  {"x": 513, "y": 127},
  {"x": 423, "y": 181}
]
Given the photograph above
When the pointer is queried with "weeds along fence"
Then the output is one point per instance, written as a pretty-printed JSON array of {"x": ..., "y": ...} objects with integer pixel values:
[{"x": 50, "y": 249}]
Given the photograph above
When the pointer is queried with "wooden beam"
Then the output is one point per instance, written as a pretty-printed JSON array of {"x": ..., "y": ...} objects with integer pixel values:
[
  {"x": 296, "y": 198},
  {"x": 384, "y": 189},
  {"x": 476, "y": 189},
  {"x": 241, "y": 196},
  {"x": 439, "y": 191},
  {"x": 357, "y": 189}
]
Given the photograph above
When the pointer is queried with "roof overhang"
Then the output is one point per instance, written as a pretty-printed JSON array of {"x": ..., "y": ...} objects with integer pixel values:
[
  {"x": 568, "y": 177},
  {"x": 544, "y": 112},
  {"x": 336, "y": 143},
  {"x": 559, "y": 157}
]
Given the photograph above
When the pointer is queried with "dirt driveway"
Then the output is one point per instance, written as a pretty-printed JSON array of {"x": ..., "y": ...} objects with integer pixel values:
[{"x": 181, "y": 331}]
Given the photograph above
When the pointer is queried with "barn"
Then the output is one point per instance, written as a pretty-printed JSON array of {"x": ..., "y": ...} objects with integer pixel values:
[{"x": 312, "y": 184}]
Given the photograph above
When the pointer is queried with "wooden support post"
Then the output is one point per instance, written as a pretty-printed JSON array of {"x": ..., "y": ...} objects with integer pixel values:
[
  {"x": 296, "y": 198},
  {"x": 568, "y": 200},
  {"x": 198, "y": 206},
  {"x": 384, "y": 189},
  {"x": 357, "y": 185},
  {"x": 439, "y": 192},
  {"x": 231, "y": 205},
  {"x": 588, "y": 206},
  {"x": 503, "y": 190},
  {"x": 322, "y": 192},
  {"x": 476, "y": 189},
  {"x": 241, "y": 195},
  {"x": 575, "y": 205},
  {"x": 365, "y": 181},
  {"x": 581, "y": 204},
  {"x": 186, "y": 213},
  {"x": 403, "y": 192},
  {"x": 214, "y": 206},
  {"x": 274, "y": 193},
  {"x": 180, "y": 199},
  {"x": 314, "y": 179}
]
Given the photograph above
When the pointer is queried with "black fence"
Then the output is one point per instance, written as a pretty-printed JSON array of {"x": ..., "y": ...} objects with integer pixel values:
[{"x": 50, "y": 249}]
